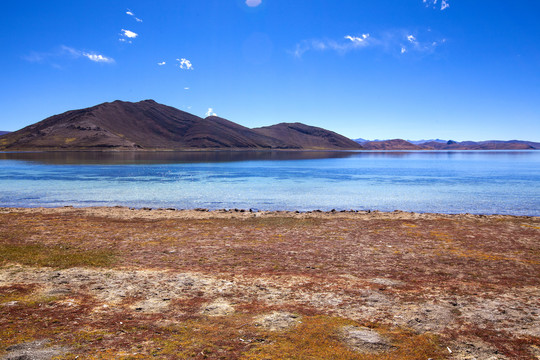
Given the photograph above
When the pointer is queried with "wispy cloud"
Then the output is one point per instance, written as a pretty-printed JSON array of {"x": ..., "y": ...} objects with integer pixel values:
[
  {"x": 394, "y": 41},
  {"x": 184, "y": 64},
  {"x": 98, "y": 58},
  {"x": 329, "y": 44},
  {"x": 66, "y": 52},
  {"x": 210, "y": 112},
  {"x": 253, "y": 3},
  {"x": 130, "y": 13},
  {"x": 444, "y": 4},
  {"x": 161, "y": 63},
  {"x": 358, "y": 40},
  {"x": 186, "y": 88}
]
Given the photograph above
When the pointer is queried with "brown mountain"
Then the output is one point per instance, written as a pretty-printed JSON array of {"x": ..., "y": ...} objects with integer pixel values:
[
  {"x": 395, "y": 144},
  {"x": 482, "y": 145},
  {"x": 149, "y": 125},
  {"x": 307, "y": 137},
  {"x": 399, "y": 144}
]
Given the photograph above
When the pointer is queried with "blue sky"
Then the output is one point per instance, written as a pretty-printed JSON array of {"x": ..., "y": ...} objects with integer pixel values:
[{"x": 412, "y": 69}]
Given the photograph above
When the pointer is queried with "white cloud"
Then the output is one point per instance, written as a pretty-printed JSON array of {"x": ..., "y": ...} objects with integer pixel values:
[
  {"x": 69, "y": 52},
  {"x": 444, "y": 4},
  {"x": 161, "y": 63},
  {"x": 92, "y": 56},
  {"x": 391, "y": 41},
  {"x": 327, "y": 44},
  {"x": 98, "y": 58},
  {"x": 433, "y": 4},
  {"x": 130, "y": 13},
  {"x": 358, "y": 40},
  {"x": 184, "y": 64},
  {"x": 253, "y": 3},
  {"x": 210, "y": 112},
  {"x": 186, "y": 88},
  {"x": 129, "y": 34}
]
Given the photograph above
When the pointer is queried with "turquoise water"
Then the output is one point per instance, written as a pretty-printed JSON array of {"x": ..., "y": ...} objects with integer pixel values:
[{"x": 487, "y": 182}]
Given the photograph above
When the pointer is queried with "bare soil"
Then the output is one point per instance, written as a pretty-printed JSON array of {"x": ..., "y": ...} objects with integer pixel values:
[{"x": 116, "y": 283}]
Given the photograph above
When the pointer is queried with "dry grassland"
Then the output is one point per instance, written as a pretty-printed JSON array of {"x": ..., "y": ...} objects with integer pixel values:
[{"x": 115, "y": 283}]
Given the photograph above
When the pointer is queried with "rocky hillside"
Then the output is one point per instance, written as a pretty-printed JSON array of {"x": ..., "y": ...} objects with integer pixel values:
[{"x": 147, "y": 125}]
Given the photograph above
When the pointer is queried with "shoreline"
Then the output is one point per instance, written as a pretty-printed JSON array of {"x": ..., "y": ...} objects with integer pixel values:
[
  {"x": 195, "y": 150},
  {"x": 126, "y": 212}
]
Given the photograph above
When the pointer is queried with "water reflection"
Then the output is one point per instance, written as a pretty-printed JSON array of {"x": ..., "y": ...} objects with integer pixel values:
[{"x": 192, "y": 157}]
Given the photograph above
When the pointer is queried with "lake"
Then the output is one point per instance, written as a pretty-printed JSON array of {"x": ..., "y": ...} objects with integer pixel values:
[{"x": 479, "y": 182}]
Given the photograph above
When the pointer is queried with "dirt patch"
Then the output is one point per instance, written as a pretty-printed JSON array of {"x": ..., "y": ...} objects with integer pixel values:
[
  {"x": 364, "y": 340},
  {"x": 277, "y": 321},
  {"x": 35, "y": 350},
  {"x": 219, "y": 307}
]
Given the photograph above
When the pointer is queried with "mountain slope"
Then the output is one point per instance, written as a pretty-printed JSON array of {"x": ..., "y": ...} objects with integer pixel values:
[
  {"x": 308, "y": 137},
  {"x": 395, "y": 144},
  {"x": 148, "y": 125},
  {"x": 482, "y": 145}
]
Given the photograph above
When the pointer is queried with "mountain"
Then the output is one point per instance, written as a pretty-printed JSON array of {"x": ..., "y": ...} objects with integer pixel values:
[
  {"x": 4, "y": 132},
  {"x": 307, "y": 137},
  {"x": 438, "y": 144},
  {"x": 148, "y": 125},
  {"x": 395, "y": 144},
  {"x": 420, "y": 142},
  {"x": 482, "y": 145}
]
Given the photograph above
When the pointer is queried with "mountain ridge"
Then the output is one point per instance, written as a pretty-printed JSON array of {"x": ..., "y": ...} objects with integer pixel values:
[
  {"x": 148, "y": 125},
  {"x": 438, "y": 144}
]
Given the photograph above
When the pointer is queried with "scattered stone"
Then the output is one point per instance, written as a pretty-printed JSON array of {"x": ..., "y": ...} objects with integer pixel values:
[
  {"x": 11, "y": 303},
  {"x": 35, "y": 350},
  {"x": 386, "y": 282},
  {"x": 219, "y": 307},
  {"x": 152, "y": 305},
  {"x": 365, "y": 340},
  {"x": 277, "y": 321}
]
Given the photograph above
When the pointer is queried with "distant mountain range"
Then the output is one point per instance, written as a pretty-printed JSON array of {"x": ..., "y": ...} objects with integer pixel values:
[
  {"x": 147, "y": 125},
  {"x": 438, "y": 144}
]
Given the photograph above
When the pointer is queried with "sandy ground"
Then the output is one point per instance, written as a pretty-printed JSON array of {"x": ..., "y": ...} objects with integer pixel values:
[{"x": 262, "y": 285}]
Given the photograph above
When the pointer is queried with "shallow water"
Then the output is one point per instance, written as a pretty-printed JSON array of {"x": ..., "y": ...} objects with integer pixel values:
[{"x": 481, "y": 182}]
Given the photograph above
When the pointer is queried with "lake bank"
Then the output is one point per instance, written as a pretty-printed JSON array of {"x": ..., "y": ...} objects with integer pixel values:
[{"x": 114, "y": 282}]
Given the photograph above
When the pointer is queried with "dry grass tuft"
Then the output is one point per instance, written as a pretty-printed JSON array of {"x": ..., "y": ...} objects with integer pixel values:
[{"x": 57, "y": 256}]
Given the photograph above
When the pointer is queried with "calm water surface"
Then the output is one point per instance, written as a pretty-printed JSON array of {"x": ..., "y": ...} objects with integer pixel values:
[{"x": 486, "y": 182}]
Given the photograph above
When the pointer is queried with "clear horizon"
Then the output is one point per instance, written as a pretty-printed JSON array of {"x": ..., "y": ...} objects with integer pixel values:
[{"x": 415, "y": 69}]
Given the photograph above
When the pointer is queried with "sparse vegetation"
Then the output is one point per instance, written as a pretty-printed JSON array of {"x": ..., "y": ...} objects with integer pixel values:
[
  {"x": 140, "y": 285},
  {"x": 56, "y": 256}
]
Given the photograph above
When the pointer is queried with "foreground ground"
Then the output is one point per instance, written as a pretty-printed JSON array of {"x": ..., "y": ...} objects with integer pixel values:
[{"x": 116, "y": 283}]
